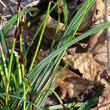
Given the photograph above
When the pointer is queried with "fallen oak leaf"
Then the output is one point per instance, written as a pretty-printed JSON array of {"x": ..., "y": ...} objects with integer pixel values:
[
  {"x": 70, "y": 84},
  {"x": 85, "y": 63}
]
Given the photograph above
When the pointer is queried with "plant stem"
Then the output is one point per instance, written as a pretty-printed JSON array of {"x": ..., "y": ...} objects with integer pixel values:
[
  {"x": 22, "y": 66},
  {"x": 4, "y": 63},
  {"x": 11, "y": 57},
  {"x": 53, "y": 93},
  {"x": 42, "y": 32},
  {"x": 22, "y": 59},
  {"x": 3, "y": 76},
  {"x": 30, "y": 91}
]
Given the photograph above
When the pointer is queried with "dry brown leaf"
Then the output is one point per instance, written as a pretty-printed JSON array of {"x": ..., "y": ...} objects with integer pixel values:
[
  {"x": 50, "y": 29},
  {"x": 98, "y": 47},
  {"x": 97, "y": 43},
  {"x": 105, "y": 97},
  {"x": 70, "y": 84},
  {"x": 85, "y": 63}
]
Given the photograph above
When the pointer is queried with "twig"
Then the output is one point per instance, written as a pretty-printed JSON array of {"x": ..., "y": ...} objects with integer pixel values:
[
  {"x": 104, "y": 105},
  {"x": 2, "y": 3}
]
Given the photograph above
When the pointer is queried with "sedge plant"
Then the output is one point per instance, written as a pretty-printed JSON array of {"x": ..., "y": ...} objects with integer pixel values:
[{"x": 19, "y": 90}]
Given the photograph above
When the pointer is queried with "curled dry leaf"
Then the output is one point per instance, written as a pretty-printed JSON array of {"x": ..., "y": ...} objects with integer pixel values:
[
  {"x": 86, "y": 65},
  {"x": 98, "y": 47},
  {"x": 98, "y": 19},
  {"x": 69, "y": 83},
  {"x": 97, "y": 43},
  {"x": 105, "y": 97}
]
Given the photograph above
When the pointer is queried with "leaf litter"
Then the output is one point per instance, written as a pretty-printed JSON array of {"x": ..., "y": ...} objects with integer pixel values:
[{"x": 89, "y": 56}]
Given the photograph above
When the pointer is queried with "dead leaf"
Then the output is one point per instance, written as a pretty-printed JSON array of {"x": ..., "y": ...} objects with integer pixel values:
[
  {"x": 70, "y": 84},
  {"x": 105, "y": 97},
  {"x": 50, "y": 29},
  {"x": 98, "y": 47},
  {"x": 85, "y": 63},
  {"x": 97, "y": 43},
  {"x": 29, "y": 3}
]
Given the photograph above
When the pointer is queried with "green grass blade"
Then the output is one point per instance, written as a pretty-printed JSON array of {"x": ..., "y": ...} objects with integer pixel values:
[
  {"x": 12, "y": 51},
  {"x": 4, "y": 42},
  {"x": 24, "y": 49},
  {"x": 16, "y": 97},
  {"x": 2, "y": 75},
  {"x": 42, "y": 32},
  {"x": 75, "y": 22},
  {"x": 65, "y": 14},
  {"x": 57, "y": 29},
  {"x": 14, "y": 80},
  {"x": 38, "y": 67},
  {"x": 60, "y": 56},
  {"x": 14, "y": 18},
  {"x": 57, "y": 107},
  {"x": 51, "y": 83},
  {"x": 39, "y": 30},
  {"x": 4, "y": 61},
  {"x": 18, "y": 68},
  {"x": 92, "y": 104},
  {"x": 51, "y": 56},
  {"x": 61, "y": 73}
]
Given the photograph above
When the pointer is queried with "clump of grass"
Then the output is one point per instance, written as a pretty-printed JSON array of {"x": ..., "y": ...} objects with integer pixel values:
[{"x": 15, "y": 86}]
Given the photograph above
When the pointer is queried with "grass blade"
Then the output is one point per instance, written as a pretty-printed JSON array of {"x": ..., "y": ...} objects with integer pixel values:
[{"x": 14, "y": 18}]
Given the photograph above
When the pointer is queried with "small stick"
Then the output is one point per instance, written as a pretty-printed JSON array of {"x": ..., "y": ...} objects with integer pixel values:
[
  {"x": 104, "y": 105},
  {"x": 2, "y": 3}
]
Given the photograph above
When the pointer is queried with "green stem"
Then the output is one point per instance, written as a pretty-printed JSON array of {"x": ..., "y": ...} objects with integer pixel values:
[
  {"x": 57, "y": 29},
  {"x": 4, "y": 62},
  {"x": 11, "y": 57},
  {"x": 19, "y": 76},
  {"x": 43, "y": 28},
  {"x": 52, "y": 92},
  {"x": 30, "y": 91},
  {"x": 22, "y": 60},
  {"x": 39, "y": 30},
  {"x": 65, "y": 14},
  {"x": 3, "y": 76},
  {"x": 22, "y": 66},
  {"x": 9, "y": 70},
  {"x": 81, "y": 18}
]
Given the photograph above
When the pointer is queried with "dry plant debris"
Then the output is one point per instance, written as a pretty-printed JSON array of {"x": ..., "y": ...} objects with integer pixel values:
[
  {"x": 85, "y": 63},
  {"x": 91, "y": 61},
  {"x": 71, "y": 84}
]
